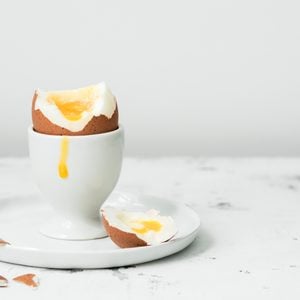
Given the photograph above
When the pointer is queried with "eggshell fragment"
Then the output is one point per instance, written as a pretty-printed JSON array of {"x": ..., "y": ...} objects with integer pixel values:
[
  {"x": 3, "y": 282},
  {"x": 28, "y": 279},
  {"x": 129, "y": 229},
  {"x": 121, "y": 238},
  {"x": 96, "y": 125},
  {"x": 3, "y": 243}
]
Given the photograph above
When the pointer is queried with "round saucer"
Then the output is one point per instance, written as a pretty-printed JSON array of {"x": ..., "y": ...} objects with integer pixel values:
[{"x": 20, "y": 220}]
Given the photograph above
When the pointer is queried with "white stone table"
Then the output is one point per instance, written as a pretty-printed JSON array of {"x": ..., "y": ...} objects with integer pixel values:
[{"x": 248, "y": 246}]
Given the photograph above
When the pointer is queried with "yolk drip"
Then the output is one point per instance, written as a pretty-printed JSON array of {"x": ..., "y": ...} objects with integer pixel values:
[
  {"x": 72, "y": 104},
  {"x": 62, "y": 166},
  {"x": 147, "y": 226}
]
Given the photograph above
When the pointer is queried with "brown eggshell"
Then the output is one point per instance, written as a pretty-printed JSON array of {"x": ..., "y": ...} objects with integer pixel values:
[
  {"x": 96, "y": 125},
  {"x": 4, "y": 243},
  {"x": 3, "y": 282},
  {"x": 121, "y": 238},
  {"x": 28, "y": 279}
]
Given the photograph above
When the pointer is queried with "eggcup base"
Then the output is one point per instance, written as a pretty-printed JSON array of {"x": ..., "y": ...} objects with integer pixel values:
[{"x": 64, "y": 229}]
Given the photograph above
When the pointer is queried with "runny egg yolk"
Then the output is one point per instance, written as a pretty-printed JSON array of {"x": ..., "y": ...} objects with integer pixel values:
[
  {"x": 64, "y": 151},
  {"x": 72, "y": 110},
  {"x": 73, "y": 103},
  {"x": 146, "y": 226}
]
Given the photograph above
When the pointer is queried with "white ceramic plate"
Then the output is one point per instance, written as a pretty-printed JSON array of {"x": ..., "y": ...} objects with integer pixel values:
[{"x": 20, "y": 219}]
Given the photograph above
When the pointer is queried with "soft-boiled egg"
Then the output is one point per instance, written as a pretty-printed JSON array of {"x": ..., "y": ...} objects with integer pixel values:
[
  {"x": 134, "y": 229},
  {"x": 82, "y": 111}
]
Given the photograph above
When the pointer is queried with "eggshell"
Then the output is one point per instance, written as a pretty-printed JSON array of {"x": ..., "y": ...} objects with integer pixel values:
[
  {"x": 3, "y": 282},
  {"x": 28, "y": 279},
  {"x": 121, "y": 238},
  {"x": 96, "y": 125},
  {"x": 4, "y": 243}
]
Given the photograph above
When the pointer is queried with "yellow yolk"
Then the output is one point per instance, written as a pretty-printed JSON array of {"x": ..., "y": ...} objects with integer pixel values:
[
  {"x": 62, "y": 166},
  {"x": 147, "y": 226},
  {"x": 72, "y": 104},
  {"x": 72, "y": 110}
]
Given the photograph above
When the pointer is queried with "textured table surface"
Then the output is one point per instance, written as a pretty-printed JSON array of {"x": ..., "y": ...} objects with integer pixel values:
[{"x": 248, "y": 246}]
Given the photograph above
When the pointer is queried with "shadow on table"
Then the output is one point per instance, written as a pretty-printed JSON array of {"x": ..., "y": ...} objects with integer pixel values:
[{"x": 201, "y": 244}]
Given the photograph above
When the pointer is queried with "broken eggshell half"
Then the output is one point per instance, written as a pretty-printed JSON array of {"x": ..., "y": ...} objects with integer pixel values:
[{"x": 129, "y": 229}]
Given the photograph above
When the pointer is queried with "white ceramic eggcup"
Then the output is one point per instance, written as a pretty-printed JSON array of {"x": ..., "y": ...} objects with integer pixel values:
[{"x": 76, "y": 174}]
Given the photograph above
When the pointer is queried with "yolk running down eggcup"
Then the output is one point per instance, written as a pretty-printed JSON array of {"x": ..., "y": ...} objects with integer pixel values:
[{"x": 76, "y": 151}]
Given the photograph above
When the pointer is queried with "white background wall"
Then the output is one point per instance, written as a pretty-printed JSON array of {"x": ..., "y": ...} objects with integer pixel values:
[{"x": 192, "y": 77}]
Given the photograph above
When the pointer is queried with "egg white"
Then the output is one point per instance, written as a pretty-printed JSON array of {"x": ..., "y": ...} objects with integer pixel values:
[{"x": 105, "y": 104}]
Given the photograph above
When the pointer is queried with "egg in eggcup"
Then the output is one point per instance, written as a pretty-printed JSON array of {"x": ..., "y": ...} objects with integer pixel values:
[{"x": 76, "y": 152}]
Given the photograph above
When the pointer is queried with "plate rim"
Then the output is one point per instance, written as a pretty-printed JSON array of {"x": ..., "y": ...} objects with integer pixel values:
[{"x": 27, "y": 250}]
